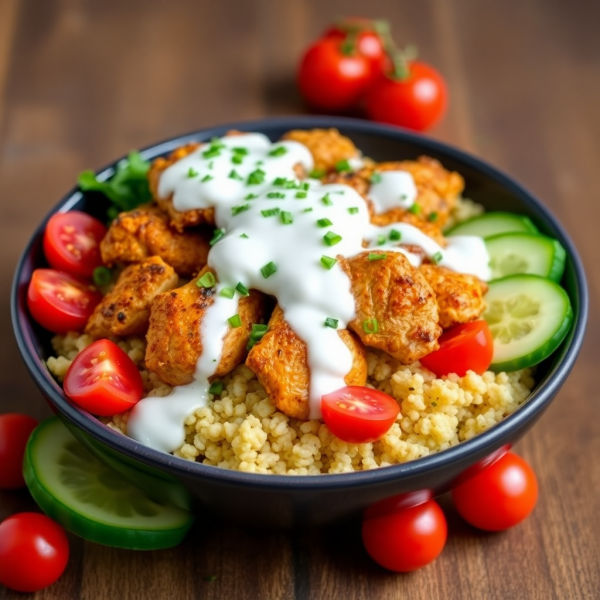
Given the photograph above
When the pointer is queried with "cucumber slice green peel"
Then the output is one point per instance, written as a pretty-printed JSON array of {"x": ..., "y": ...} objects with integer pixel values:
[
  {"x": 91, "y": 500},
  {"x": 536, "y": 254},
  {"x": 529, "y": 316},
  {"x": 493, "y": 223}
]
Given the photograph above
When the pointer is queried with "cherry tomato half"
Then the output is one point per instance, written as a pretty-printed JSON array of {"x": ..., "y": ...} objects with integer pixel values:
[
  {"x": 500, "y": 496},
  {"x": 14, "y": 433},
  {"x": 103, "y": 380},
  {"x": 416, "y": 102},
  {"x": 331, "y": 80},
  {"x": 465, "y": 347},
  {"x": 34, "y": 551},
  {"x": 406, "y": 539},
  {"x": 357, "y": 414},
  {"x": 72, "y": 242},
  {"x": 61, "y": 302}
]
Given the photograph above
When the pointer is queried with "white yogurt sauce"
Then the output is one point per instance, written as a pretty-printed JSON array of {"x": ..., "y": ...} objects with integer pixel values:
[
  {"x": 392, "y": 189},
  {"x": 270, "y": 218}
]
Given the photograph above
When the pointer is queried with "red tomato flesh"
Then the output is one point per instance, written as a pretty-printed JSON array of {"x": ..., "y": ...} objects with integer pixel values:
[
  {"x": 72, "y": 242},
  {"x": 103, "y": 380},
  {"x": 416, "y": 102},
  {"x": 61, "y": 302},
  {"x": 357, "y": 414},
  {"x": 500, "y": 496},
  {"x": 467, "y": 347},
  {"x": 407, "y": 539},
  {"x": 14, "y": 433},
  {"x": 34, "y": 551}
]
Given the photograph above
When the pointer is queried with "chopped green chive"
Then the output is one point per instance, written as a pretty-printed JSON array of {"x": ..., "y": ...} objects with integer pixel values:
[
  {"x": 244, "y": 236},
  {"x": 237, "y": 159},
  {"x": 324, "y": 223},
  {"x": 270, "y": 212},
  {"x": 327, "y": 261},
  {"x": 286, "y": 217},
  {"x": 192, "y": 173},
  {"x": 279, "y": 151},
  {"x": 258, "y": 163},
  {"x": 235, "y": 321},
  {"x": 207, "y": 280},
  {"x": 206, "y": 178},
  {"x": 275, "y": 195},
  {"x": 280, "y": 181},
  {"x": 380, "y": 240},
  {"x": 308, "y": 209},
  {"x": 259, "y": 328},
  {"x": 236, "y": 210},
  {"x": 268, "y": 269},
  {"x": 370, "y": 326},
  {"x": 317, "y": 173},
  {"x": 211, "y": 164},
  {"x": 329, "y": 322},
  {"x": 216, "y": 142},
  {"x": 102, "y": 276},
  {"x": 227, "y": 292},
  {"x": 250, "y": 196},
  {"x": 353, "y": 210},
  {"x": 240, "y": 151},
  {"x": 377, "y": 256},
  {"x": 375, "y": 177},
  {"x": 242, "y": 289},
  {"x": 235, "y": 175},
  {"x": 290, "y": 184},
  {"x": 432, "y": 217},
  {"x": 395, "y": 235},
  {"x": 415, "y": 209},
  {"x": 217, "y": 235},
  {"x": 211, "y": 152},
  {"x": 436, "y": 258},
  {"x": 305, "y": 186},
  {"x": 301, "y": 195},
  {"x": 216, "y": 388},
  {"x": 342, "y": 165},
  {"x": 257, "y": 333},
  {"x": 326, "y": 200},
  {"x": 331, "y": 239},
  {"x": 256, "y": 177}
]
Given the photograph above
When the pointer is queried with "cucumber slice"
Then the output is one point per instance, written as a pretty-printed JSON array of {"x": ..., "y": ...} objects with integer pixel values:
[
  {"x": 512, "y": 253},
  {"x": 529, "y": 316},
  {"x": 93, "y": 501},
  {"x": 493, "y": 223}
]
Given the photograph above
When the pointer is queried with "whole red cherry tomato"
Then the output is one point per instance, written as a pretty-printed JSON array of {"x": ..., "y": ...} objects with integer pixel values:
[
  {"x": 466, "y": 347},
  {"x": 405, "y": 539},
  {"x": 331, "y": 80},
  {"x": 34, "y": 552},
  {"x": 416, "y": 102},
  {"x": 14, "y": 433},
  {"x": 500, "y": 496}
]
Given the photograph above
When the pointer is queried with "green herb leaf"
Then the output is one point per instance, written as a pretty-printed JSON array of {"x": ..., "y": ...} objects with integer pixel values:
[
  {"x": 235, "y": 175},
  {"x": 317, "y": 173},
  {"x": 286, "y": 217},
  {"x": 353, "y": 210},
  {"x": 301, "y": 195},
  {"x": 235, "y": 321},
  {"x": 217, "y": 235},
  {"x": 375, "y": 177},
  {"x": 328, "y": 261},
  {"x": 269, "y": 269},
  {"x": 206, "y": 178},
  {"x": 242, "y": 289},
  {"x": 237, "y": 159},
  {"x": 102, "y": 276},
  {"x": 331, "y": 239},
  {"x": 236, "y": 210},
  {"x": 250, "y": 196},
  {"x": 270, "y": 212},
  {"x": 256, "y": 177},
  {"x": 395, "y": 235},
  {"x": 326, "y": 200},
  {"x": 191, "y": 173},
  {"x": 276, "y": 195},
  {"x": 278, "y": 151},
  {"x": 329, "y": 322},
  {"x": 437, "y": 258},
  {"x": 324, "y": 223},
  {"x": 342, "y": 165},
  {"x": 415, "y": 209},
  {"x": 227, "y": 292},
  {"x": 216, "y": 388},
  {"x": 377, "y": 256},
  {"x": 244, "y": 236},
  {"x": 207, "y": 280}
]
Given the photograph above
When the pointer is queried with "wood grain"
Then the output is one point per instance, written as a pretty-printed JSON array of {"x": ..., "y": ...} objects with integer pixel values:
[{"x": 82, "y": 82}]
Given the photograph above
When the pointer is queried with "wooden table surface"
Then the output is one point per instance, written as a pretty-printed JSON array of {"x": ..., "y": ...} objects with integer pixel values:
[{"x": 82, "y": 82}]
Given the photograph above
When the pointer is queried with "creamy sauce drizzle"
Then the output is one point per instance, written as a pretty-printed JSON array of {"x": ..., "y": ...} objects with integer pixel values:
[
  {"x": 272, "y": 217},
  {"x": 391, "y": 189}
]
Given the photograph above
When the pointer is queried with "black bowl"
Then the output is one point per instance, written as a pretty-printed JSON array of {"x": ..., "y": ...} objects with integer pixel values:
[{"x": 279, "y": 500}]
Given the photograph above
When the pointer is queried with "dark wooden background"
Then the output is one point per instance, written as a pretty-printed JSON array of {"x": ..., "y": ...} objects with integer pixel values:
[{"x": 84, "y": 81}]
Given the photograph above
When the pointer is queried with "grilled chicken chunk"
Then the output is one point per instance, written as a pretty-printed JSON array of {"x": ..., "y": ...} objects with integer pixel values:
[
  {"x": 396, "y": 309},
  {"x": 281, "y": 365},
  {"x": 328, "y": 146},
  {"x": 174, "y": 343},
  {"x": 126, "y": 309},
  {"x": 459, "y": 296},
  {"x": 143, "y": 232}
]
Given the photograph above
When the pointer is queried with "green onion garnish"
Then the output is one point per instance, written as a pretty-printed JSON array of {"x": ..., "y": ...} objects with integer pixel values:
[
  {"x": 279, "y": 151},
  {"x": 280, "y": 181},
  {"x": 329, "y": 322},
  {"x": 377, "y": 256},
  {"x": 244, "y": 236},
  {"x": 236, "y": 210},
  {"x": 326, "y": 200},
  {"x": 275, "y": 195},
  {"x": 353, "y": 210},
  {"x": 216, "y": 142},
  {"x": 436, "y": 258},
  {"x": 102, "y": 276},
  {"x": 242, "y": 289},
  {"x": 217, "y": 235},
  {"x": 235, "y": 175},
  {"x": 250, "y": 196},
  {"x": 235, "y": 321},
  {"x": 324, "y": 223},
  {"x": 415, "y": 209},
  {"x": 395, "y": 235},
  {"x": 331, "y": 239},
  {"x": 256, "y": 177},
  {"x": 216, "y": 388},
  {"x": 270, "y": 212},
  {"x": 192, "y": 173},
  {"x": 211, "y": 164},
  {"x": 286, "y": 217},
  {"x": 432, "y": 217},
  {"x": 301, "y": 195},
  {"x": 207, "y": 280},
  {"x": 317, "y": 173},
  {"x": 227, "y": 292},
  {"x": 375, "y": 177},
  {"x": 370, "y": 326},
  {"x": 257, "y": 333},
  {"x": 305, "y": 186},
  {"x": 268, "y": 269},
  {"x": 211, "y": 152},
  {"x": 309, "y": 209},
  {"x": 342, "y": 165},
  {"x": 380, "y": 240},
  {"x": 206, "y": 178},
  {"x": 240, "y": 151},
  {"x": 237, "y": 159},
  {"x": 327, "y": 261}
]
